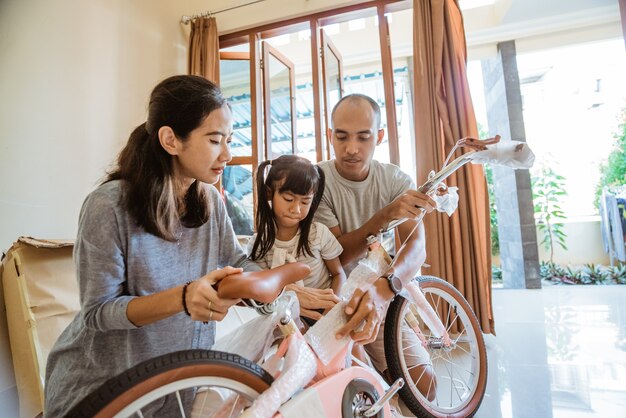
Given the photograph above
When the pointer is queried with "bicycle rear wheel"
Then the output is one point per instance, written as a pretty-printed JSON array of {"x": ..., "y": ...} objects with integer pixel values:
[
  {"x": 167, "y": 386},
  {"x": 460, "y": 369}
]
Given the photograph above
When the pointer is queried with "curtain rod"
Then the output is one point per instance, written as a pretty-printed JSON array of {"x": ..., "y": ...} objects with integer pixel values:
[{"x": 186, "y": 19}]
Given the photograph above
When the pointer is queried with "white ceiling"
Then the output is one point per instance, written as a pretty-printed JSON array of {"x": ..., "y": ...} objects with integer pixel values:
[{"x": 533, "y": 24}]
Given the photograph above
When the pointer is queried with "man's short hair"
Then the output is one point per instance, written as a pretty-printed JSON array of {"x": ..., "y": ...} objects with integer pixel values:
[{"x": 354, "y": 97}]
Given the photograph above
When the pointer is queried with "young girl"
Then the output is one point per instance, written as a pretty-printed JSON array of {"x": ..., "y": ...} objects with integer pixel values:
[{"x": 289, "y": 191}]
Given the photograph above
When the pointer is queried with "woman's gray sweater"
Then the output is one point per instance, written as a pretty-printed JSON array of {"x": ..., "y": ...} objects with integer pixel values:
[{"x": 116, "y": 261}]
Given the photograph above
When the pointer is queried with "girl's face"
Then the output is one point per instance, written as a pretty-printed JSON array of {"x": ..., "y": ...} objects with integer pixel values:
[
  {"x": 206, "y": 151},
  {"x": 289, "y": 208}
]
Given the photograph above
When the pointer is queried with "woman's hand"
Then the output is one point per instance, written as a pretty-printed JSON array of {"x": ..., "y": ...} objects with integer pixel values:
[
  {"x": 369, "y": 305},
  {"x": 203, "y": 303},
  {"x": 311, "y": 299}
]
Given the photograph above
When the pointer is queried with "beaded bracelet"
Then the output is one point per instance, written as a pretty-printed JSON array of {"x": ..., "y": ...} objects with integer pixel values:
[{"x": 185, "y": 298}]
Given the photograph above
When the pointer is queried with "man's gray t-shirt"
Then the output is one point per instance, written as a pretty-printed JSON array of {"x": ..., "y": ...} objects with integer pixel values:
[
  {"x": 350, "y": 204},
  {"x": 116, "y": 261}
]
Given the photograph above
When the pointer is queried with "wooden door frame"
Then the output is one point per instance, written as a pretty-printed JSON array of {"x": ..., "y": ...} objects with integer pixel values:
[
  {"x": 267, "y": 108},
  {"x": 326, "y": 42},
  {"x": 313, "y": 22}
]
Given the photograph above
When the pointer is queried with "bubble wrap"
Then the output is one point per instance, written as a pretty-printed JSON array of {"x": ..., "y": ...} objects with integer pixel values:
[
  {"x": 447, "y": 202},
  {"x": 413, "y": 293},
  {"x": 321, "y": 337},
  {"x": 299, "y": 367},
  {"x": 513, "y": 154},
  {"x": 253, "y": 339}
]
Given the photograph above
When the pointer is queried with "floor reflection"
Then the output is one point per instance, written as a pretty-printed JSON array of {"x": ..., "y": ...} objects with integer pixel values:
[{"x": 559, "y": 352}]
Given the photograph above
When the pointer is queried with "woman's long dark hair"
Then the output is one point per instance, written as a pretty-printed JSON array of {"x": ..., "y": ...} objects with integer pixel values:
[
  {"x": 182, "y": 103},
  {"x": 291, "y": 174}
]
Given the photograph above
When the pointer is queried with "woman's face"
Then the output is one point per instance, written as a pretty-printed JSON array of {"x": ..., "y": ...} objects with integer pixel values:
[{"x": 206, "y": 151}]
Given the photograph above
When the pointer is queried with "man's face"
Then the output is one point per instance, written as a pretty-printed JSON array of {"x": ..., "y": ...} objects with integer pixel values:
[{"x": 354, "y": 138}]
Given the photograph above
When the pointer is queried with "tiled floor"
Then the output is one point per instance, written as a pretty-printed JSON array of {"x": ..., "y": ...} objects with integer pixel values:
[{"x": 560, "y": 352}]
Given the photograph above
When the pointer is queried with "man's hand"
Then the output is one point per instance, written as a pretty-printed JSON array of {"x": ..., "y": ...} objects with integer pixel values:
[
  {"x": 369, "y": 304},
  {"x": 313, "y": 299},
  {"x": 409, "y": 205}
]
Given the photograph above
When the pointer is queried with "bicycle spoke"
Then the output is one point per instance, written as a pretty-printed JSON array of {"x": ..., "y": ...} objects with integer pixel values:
[
  {"x": 450, "y": 323},
  {"x": 448, "y": 319},
  {"x": 420, "y": 376},
  {"x": 451, "y": 362},
  {"x": 232, "y": 409},
  {"x": 411, "y": 346},
  {"x": 180, "y": 404},
  {"x": 452, "y": 385}
]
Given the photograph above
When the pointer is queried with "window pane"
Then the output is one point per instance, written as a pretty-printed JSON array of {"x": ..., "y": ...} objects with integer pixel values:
[
  {"x": 237, "y": 184},
  {"x": 401, "y": 37},
  {"x": 362, "y": 69},
  {"x": 280, "y": 107},
  {"x": 298, "y": 51},
  {"x": 235, "y": 85}
]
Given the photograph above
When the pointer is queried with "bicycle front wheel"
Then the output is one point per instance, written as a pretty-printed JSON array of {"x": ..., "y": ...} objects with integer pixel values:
[
  {"x": 457, "y": 371},
  {"x": 169, "y": 384}
]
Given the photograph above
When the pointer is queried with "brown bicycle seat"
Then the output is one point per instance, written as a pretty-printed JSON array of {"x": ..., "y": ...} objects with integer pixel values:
[{"x": 263, "y": 286}]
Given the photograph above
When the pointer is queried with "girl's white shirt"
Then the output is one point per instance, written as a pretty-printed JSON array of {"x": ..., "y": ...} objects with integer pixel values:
[{"x": 323, "y": 244}]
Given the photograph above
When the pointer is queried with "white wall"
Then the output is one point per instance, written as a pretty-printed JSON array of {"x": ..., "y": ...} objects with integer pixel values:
[
  {"x": 75, "y": 77},
  {"x": 75, "y": 80}
]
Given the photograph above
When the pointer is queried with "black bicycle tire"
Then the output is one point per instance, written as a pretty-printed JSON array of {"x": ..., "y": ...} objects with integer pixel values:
[
  {"x": 393, "y": 320},
  {"x": 115, "y": 387}
]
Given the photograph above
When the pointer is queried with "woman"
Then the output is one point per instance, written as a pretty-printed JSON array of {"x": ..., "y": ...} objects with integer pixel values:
[{"x": 152, "y": 240}]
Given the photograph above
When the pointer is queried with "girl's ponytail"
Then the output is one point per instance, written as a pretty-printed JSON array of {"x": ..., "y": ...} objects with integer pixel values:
[
  {"x": 320, "y": 189},
  {"x": 264, "y": 220}
]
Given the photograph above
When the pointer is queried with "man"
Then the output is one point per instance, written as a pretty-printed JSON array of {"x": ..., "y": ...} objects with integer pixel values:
[{"x": 362, "y": 196}]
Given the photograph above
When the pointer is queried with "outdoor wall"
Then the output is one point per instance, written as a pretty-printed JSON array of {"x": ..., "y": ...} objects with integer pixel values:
[
  {"x": 75, "y": 80},
  {"x": 584, "y": 244}
]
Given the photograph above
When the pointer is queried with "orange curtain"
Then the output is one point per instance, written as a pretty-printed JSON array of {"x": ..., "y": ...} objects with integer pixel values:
[
  {"x": 204, "y": 49},
  {"x": 458, "y": 247}
]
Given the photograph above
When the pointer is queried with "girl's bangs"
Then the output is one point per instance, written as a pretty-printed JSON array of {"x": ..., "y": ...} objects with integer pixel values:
[{"x": 301, "y": 182}]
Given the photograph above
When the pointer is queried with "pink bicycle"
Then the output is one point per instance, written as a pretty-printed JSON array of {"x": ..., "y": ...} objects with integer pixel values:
[{"x": 315, "y": 375}]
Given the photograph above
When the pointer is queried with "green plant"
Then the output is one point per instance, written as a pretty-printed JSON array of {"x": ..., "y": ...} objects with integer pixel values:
[
  {"x": 493, "y": 215},
  {"x": 553, "y": 272},
  {"x": 491, "y": 191},
  {"x": 594, "y": 274},
  {"x": 617, "y": 273},
  {"x": 548, "y": 188},
  {"x": 573, "y": 274},
  {"x": 613, "y": 172},
  {"x": 496, "y": 274}
]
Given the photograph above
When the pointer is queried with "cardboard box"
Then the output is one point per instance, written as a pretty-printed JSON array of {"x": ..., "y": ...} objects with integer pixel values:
[{"x": 41, "y": 298}]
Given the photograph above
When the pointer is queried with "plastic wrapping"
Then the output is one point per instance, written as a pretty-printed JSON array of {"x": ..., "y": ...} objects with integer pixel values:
[
  {"x": 448, "y": 201},
  {"x": 253, "y": 339},
  {"x": 321, "y": 336},
  {"x": 299, "y": 367},
  {"x": 413, "y": 293},
  {"x": 513, "y": 154}
]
